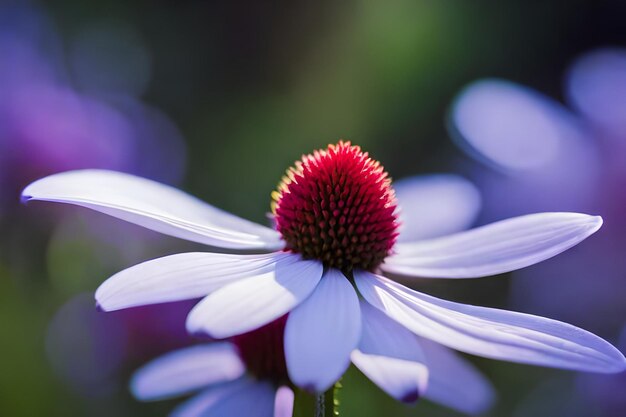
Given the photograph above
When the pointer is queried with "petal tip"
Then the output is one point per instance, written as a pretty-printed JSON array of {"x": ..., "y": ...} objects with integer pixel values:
[
  {"x": 32, "y": 190},
  {"x": 135, "y": 390},
  {"x": 618, "y": 365},
  {"x": 410, "y": 397},
  {"x": 198, "y": 334},
  {"x": 137, "y": 387},
  {"x": 139, "y": 392},
  {"x": 25, "y": 198},
  {"x": 198, "y": 331},
  {"x": 596, "y": 223},
  {"x": 310, "y": 388},
  {"x": 103, "y": 303}
]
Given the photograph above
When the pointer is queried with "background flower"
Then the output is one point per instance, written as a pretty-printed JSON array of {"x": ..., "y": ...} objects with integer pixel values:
[{"x": 543, "y": 154}]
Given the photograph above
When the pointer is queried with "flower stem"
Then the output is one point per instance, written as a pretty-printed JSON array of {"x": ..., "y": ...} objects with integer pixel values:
[
  {"x": 320, "y": 405},
  {"x": 324, "y": 404}
]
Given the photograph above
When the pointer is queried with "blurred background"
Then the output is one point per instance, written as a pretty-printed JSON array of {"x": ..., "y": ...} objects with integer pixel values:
[{"x": 525, "y": 99}]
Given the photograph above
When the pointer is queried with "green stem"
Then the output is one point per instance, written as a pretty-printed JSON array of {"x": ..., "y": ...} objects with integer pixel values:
[
  {"x": 325, "y": 404},
  {"x": 320, "y": 405}
]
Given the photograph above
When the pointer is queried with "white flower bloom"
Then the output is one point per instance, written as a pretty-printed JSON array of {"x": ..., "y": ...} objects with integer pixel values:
[{"x": 336, "y": 238}]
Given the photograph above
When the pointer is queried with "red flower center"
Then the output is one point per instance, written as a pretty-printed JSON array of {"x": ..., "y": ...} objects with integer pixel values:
[
  {"x": 262, "y": 351},
  {"x": 337, "y": 205}
]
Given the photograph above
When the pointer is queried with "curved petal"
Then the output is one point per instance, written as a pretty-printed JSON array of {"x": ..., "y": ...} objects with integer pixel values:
[
  {"x": 454, "y": 382},
  {"x": 283, "y": 402},
  {"x": 321, "y": 332},
  {"x": 186, "y": 370},
  {"x": 390, "y": 356},
  {"x": 244, "y": 397},
  {"x": 249, "y": 304},
  {"x": 489, "y": 332},
  {"x": 435, "y": 205},
  {"x": 153, "y": 205},
  {"x": 177, "y": 277},
  {"x": 493, "y": 249},
  {"x": 508, "y": 125}
]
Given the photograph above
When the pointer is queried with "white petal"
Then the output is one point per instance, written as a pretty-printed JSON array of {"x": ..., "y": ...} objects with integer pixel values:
[
  {"x": 435, "y": 205},
  {"x": 187, "y": 370},
  {"x": 245, "y": 397},
  {"x": 177, "y": 277},
  {"x": 249, "y": 304},
  {"x": 321, "y": 332},
  {"x": 283, "y": 403},
  {"x": 489, "y": 332},
  {"x": 390, "y": 356},
  {"x": 454, "y": 382},
  {"x": 153, "y": 205},
  {"x": 495, "y": 248}
]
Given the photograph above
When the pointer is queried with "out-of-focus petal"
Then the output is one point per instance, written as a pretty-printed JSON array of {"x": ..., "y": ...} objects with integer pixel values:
[
  {"x": 493, "y": 249},
  {"x": 596, "y": 85},
  {"x": 390, "y": 356},
  {"x": 508, "y": 125},
  {"x": 283, "y": 402},
  {"x": 492, "y": 333},
  {"x": 454, "y": 382},
  {"x": 435, "y": 205},
  {"x": 321, "y": 332},
  {"x": 180, "y": 277},
  {"x": 187, "y": 370},
  {"x": 250, "y": 303},
  {"x": 245, "y": 397},
  {"x": 153, "y": 205},
  {"x": 197, "y": 405}
]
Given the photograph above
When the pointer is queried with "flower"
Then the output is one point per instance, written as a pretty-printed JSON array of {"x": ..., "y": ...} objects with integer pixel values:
[
  {"x": 337, "y": 237},
  {"x": 247, "y": 375},
  {"x": 90, "y": 352},
  {"x": 218, "y": 370},
  {"x": 557, "y": 156},
  {"x": 47, "y": 126},
  {"x": 581, "y": 168}
]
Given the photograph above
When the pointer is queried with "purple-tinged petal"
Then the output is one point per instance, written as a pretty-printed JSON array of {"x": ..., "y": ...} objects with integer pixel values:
[
  {"x": 454, "y": 382},
  {"x": 153, "y": 205},
  {"x": 250, "y": 303},
  {"x": 596, "y": 85},
  {"x": 321, "y": 332},
  {"x": 244, "y": 397},
  {"x": 390, "y": 356},
  {"x": 187, "y": 370},
  {"x": 180, "y": 277},
  {"x": 493, "y": 249},
  {"x": 492, "y": 333},
  {"x": 283, "y": 402},
  {"x": 508, "y": 125},
  {"x": 200, "y": 403},
  {"x": 435, "y": 205},
  {"x": 254, "y": 400}
]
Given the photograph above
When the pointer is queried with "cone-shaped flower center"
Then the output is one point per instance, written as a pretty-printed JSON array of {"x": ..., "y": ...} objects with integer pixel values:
[
  {"x": 337, "y": 205},
  {"x": 262, "y": 351}
]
